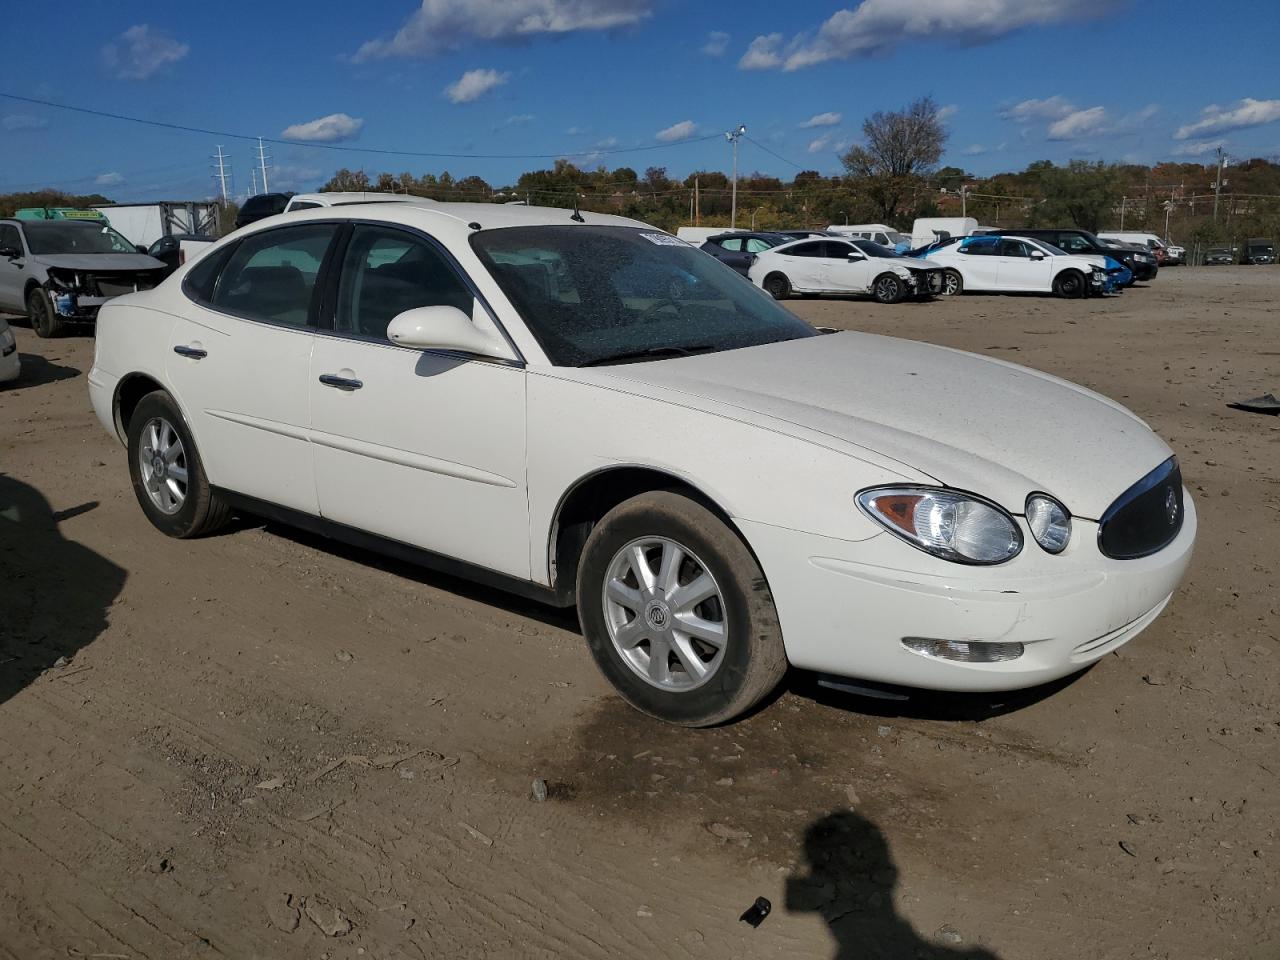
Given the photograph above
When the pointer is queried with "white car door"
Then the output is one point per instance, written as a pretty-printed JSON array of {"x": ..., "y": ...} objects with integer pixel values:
[
  {"x": 13, "y": 269},
  {"x": 977, "y": 260},
  {"x": 804, "y": 266},
  {"x": 426, "y": 448},
  {"x": 240, "y": 358},
  {"x": 846, "y": 268},
  {"x": 1020, "y": 266}
]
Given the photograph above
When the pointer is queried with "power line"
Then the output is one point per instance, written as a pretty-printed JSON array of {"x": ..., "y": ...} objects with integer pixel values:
[
  {"x": 184, "y": 128},
  {"x": 772, "y": 154}
]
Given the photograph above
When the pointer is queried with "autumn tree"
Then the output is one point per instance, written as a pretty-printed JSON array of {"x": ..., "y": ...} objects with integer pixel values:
[{"x": 902, "y": 148}]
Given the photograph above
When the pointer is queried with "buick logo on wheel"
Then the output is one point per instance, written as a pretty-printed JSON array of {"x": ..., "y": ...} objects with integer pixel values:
[{"x": 1171, "y": 506}]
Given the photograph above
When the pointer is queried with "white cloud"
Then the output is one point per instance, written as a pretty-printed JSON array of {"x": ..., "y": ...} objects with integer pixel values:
[
  {"x": 947, "y": 112},
  {"x": 677, "y": 131},
  {"x": 1198, "y": 148},
  {"x": 608, "y": 143},
  {"x": 821, "y": 120},
  {"x": 820, "y": 144},
  {"x": 877, "y": 26},
  {"x": 108, "y": 179},
  {"x": 1051, "y": 108},
  {"x": 1079, "y": 123},
  {"x": 520, "y": 118},
  {"x": 974, "y": 150},
  {"x": 20, "y": 121},
  {"x": 717, "y": 42},
  {"x": 474, "y": 84},
  {"x": 763, "y": 53},
  {"x": 1215, "y": 119},
  {"x": 440, "y": 25},
  {"x": 331, "y": 129},
  {"x": 141, "y": 52}
]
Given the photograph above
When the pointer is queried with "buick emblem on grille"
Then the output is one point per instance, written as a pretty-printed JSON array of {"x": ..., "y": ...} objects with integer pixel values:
[{"x": 1171, "y": 506}]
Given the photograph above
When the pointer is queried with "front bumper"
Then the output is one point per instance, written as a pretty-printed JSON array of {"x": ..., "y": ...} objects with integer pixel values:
[
  {"x": 10, "y": 365},
  {"x": 74, "y": 306},
  {"x": 845, "y": 606},
  {"x": 1144, "y": 271}
]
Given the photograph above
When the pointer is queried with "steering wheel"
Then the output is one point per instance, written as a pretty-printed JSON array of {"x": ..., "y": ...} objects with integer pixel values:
[{"x": 659, "y": 304}]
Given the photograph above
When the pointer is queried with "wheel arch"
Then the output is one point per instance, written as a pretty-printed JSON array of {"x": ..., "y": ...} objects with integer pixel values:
[
  {"x": 593, "y": 495},
  {"x": 129, "y": 391}
]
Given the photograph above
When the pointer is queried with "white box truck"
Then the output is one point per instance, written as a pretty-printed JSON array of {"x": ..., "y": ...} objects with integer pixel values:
[
  {"x": 142, "y": 224},
  {"x": 928, "y": 229}
]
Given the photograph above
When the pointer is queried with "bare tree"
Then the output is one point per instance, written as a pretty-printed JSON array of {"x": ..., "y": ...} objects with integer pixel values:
[{"x": 902, "y": 148}]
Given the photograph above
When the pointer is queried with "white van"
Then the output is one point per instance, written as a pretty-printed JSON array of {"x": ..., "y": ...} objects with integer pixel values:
[
  {"x": 700, "y": 235},
  {"x": 880, "y": 233},
  {"x": 928, "y": 229}
]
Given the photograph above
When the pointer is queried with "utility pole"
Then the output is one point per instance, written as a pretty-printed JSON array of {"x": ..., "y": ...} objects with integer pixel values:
[
  {"x": 262, "y": 165},
  {"x": 253, "y": 177},
  {"x": 964, "y": 200},
  {"x": 733, "y": 137},
  {"x": 697, "y": 202},
  {"x": 221, "y": 175},
  {"x": 1123, "y": 201},
  {"x": 1217, "y": 183}
]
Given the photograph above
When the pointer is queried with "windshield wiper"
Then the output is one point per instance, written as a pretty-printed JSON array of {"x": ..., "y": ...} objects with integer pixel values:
[{"x": 652, "y": 353}]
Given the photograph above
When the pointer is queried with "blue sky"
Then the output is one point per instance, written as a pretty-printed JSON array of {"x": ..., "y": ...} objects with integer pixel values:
[{"x": 1020, "y": 80}]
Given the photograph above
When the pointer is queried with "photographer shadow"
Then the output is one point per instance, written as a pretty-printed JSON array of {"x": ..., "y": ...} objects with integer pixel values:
[{"x": 850, "y": 883}]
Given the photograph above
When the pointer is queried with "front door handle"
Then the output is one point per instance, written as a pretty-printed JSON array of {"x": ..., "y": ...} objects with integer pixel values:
[
  {"x": 340, "y": 383},
  {"x": 193, "y": 353}
]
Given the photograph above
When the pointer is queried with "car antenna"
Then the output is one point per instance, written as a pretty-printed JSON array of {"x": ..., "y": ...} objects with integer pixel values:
[
  {"x": 474, "y": 225},
  {"x": 576, "y": 215}
]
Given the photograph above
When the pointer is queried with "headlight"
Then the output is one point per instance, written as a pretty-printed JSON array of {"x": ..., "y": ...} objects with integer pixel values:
[
  {"x": 1049, "y": 522},
  {"x": 948, "y": 524},
  {"x": 7, "y": 338}
]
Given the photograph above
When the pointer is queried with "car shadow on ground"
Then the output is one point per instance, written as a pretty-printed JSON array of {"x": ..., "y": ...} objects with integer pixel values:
[
  {"x": 36, "y": 371},
  {"x": 850, "y": 880},
  {"x": 56, "y": 592}
]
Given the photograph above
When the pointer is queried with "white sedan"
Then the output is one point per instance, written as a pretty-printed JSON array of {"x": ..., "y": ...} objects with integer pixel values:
[
  {"x": 586, "y": 410},
  {"x": 839, "y": 265},
  {"x": 1003, "y": 264}
]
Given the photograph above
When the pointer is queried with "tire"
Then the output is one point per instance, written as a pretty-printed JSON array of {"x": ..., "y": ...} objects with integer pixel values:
[
  {"x": 180, "y": 508},
  {"x": 44, "y": 321},
  {"x": 888, "y": 288},
  {"x": 749, "y": 660},
  {"x": 777, "y": 286},
  {"x": 952, "y": 283},
  {"x": 1069, "y": 284}
]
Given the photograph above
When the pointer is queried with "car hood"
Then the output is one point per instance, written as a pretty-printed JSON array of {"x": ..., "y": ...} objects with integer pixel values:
[
  {"x": 967, "y": 421},
  {"x": 100, "y": 261}
]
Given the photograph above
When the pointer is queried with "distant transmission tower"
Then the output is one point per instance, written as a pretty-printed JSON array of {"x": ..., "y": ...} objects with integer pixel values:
[
  {"x": 262, "y": 165},
  {"x": 253, "y": 175},
  {"x": 220, "y": 176}
]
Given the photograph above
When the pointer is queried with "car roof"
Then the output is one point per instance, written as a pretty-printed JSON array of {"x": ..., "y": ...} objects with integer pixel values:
[{"x": 337, "y": 197}]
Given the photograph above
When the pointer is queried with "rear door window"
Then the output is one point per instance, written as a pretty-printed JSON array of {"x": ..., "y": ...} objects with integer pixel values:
[
  {"x": 814, "y": 249},
  {"x": 734, "y": 245},
  {"x": 272, "y": 275}
]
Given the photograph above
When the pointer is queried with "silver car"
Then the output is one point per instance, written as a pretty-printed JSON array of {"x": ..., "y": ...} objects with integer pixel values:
[{"x": 60, "y": 271}]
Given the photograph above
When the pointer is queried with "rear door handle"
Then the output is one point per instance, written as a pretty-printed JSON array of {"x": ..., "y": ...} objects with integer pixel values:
[
  {"x": 194, "y": 353},
  {"x": 340, "y": 383}
]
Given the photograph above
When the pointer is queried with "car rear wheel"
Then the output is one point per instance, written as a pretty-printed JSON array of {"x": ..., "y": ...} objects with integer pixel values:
[
  {"x": 44, "y": 321},
  {"x": 952, "y": 283},
  {"x": 1069, "y": 284},
  {"x": 677, "y": 613},
  {"x": 888, "y": 288},
  {"x": 167, "y": 473},
  {"x": 777, "y": 286}
]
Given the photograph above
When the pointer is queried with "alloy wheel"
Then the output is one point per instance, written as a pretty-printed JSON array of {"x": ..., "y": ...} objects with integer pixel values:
[
  {"x": 886, "y": 289},
  {"x": 665, "y": 614},
  {"x": 162, "y": 461}
]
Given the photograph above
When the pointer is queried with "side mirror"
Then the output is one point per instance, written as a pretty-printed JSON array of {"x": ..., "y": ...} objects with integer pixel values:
[
  {"x": 140, "y": 248},
  {"x": 853, "y": 255},
  {"x": 11, "y": 253},
  {"x": 1037, "y": 254},
  {"x": 443, "y": 328}
]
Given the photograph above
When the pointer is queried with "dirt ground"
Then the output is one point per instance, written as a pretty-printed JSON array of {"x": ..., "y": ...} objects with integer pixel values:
[{"x": 264, "y": 745}]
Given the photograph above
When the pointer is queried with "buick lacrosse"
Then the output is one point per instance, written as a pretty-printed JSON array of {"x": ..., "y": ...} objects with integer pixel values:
[{"x": 586, "y": 410}]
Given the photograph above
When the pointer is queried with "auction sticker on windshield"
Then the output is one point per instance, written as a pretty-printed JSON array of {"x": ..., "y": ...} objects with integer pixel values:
[{"x": 664, "y": 239}]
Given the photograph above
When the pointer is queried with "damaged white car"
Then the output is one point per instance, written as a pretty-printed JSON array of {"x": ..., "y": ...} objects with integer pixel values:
[
  {"x": 835, "y": 265},
  {"x": 63, "y": 271},
  {"x": 586, "y": 410}
]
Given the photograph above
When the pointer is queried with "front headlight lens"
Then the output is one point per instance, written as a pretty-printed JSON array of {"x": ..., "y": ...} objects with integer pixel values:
[
  {"x": 945, "y": 523},
  {"x": 7, "y": 339},
  {"x": 1049, "y": 522}
]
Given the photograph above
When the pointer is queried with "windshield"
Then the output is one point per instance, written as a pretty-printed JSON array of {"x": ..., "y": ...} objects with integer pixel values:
[
  {"x": 593, "y": 293},
  {"x": 873, "y": 249},
  {"x": 52, "y": 237}
]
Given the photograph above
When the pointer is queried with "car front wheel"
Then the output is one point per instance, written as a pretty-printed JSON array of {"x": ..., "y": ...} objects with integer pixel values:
[
  {"x": 777, "y": 286},
  {"x": 167, "y": 473},
  {"x": 44, "y": 320},
  {"x": 952, "y": 283},
  {"x": 1069, "y": 284},
  {"x": 677, "y": 613},
  {"x": 888, "y": 289}
]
